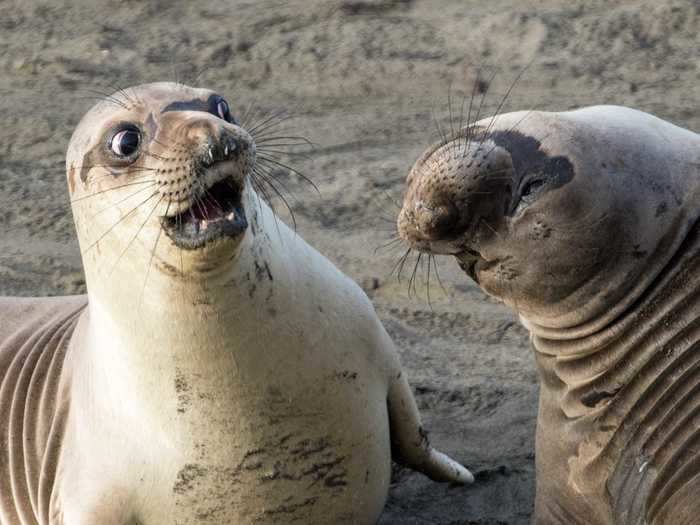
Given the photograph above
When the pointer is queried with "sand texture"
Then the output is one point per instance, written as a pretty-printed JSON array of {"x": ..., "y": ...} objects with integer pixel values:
[{"x": 367, "y": 81}]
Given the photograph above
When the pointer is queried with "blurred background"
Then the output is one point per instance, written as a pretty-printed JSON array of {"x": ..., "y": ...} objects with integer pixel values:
[{"x": 371, "y": 83}]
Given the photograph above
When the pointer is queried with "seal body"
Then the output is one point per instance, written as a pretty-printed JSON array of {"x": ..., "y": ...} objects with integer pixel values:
[
  {"x": 586, "y": 223},
  {"x": 219, "y": 370}
]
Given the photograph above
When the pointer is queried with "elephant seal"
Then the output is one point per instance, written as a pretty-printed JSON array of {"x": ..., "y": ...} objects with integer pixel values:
[
  {"x": 586, "y": 224},
  {"x": 219, "y": 370}
]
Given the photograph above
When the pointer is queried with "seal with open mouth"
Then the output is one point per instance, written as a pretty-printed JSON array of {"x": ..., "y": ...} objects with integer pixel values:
[
  {"x": 586, "y": 223},
  {"x": 219, "y": 370}
]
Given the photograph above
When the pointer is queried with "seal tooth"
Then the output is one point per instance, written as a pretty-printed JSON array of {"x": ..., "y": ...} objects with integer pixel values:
[
  {"x": 204, "y": 224},
  {"x": 226, "y": 150},
  {"x": 230, "y": 216}
]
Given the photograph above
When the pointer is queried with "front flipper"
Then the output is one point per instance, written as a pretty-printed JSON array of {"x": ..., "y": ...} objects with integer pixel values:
[{"x": 409, "y": 442}]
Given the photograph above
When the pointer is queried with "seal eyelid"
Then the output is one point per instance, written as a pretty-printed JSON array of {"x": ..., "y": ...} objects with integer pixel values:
[
  {"x": 529, "y": 190},
  {"x": 531, "y": 187}
]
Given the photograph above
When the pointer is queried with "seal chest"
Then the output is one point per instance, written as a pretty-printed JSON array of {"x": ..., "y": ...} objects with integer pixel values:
[
  {"x": 585, "y": 223},
  {"x": 220, "y": 370}
]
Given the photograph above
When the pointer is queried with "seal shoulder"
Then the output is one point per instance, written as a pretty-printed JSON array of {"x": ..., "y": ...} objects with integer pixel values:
[{"x": 34, "y": 338}]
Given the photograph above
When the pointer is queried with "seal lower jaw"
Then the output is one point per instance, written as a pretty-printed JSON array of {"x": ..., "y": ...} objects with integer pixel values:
[
  {"x": 472, "y": 262},
  {"x": 217, "y": 215}
]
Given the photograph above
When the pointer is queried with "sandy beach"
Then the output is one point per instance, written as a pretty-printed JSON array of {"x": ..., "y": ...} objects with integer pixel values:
[{"x": 370, "y": 83}]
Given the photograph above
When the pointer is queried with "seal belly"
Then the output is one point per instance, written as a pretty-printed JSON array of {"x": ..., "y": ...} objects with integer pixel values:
[
  {"x": 34, "y": 338},
  {"x": 299, "y": 462}
]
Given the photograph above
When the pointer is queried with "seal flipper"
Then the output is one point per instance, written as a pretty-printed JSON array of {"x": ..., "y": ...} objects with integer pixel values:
[{"x": 409, "y": 441}]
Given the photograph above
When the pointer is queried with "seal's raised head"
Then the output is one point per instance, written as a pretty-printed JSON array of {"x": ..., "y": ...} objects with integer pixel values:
[
  {"x": 547, "y": 211},
  {"x": 158, "y": 159}
]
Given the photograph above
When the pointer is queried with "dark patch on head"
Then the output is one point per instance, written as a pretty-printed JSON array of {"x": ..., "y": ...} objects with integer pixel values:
[
  {"x": 88, "y": 161},
  {"x": 150, "y": 126},
  {"x": 71, "y": 178},
  {"x": 195, "y": 104},
  {"x": 661, "y": 209},
  {"x": 527, "y": 157},
  {"x": 592, "y": 399}
]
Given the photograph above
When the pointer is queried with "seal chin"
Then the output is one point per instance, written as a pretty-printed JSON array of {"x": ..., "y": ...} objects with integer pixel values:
[
  {"x": 217, "y": 215},
  {"x": 472, "y": 262}
]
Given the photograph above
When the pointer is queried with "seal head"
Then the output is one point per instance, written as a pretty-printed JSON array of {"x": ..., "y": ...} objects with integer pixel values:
[
  {"x": 521, "y": 200},
  {"x": 586, "y": 223},
  {"x": 168, "y": 159}
]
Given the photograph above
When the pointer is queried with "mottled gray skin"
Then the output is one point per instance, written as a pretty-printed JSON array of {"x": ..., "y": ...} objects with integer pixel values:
[
  {"x": 586, "y": 223},
  {"x": 239, "y": 379}
]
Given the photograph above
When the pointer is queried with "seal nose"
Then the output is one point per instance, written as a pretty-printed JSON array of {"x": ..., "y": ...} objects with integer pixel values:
[
  {"x": 219, "y": 143},
  {"x": 437, "y": 221}
]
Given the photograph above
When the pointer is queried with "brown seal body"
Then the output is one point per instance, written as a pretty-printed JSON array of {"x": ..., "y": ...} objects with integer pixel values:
[
  {"x": 219, "y": 370},
  {"x": 586, "y": 223}
]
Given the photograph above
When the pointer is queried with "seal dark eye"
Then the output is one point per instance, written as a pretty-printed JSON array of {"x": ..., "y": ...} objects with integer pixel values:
[
  {"x": 531, "y": 187},
  {"x": 125, "y": 142},
  {"x": 223, "y": 111}
]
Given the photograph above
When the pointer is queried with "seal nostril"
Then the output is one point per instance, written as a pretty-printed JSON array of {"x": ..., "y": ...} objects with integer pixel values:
[{"x": 437, "y": 222}]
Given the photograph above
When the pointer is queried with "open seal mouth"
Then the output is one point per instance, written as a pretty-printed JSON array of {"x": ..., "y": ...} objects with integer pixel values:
[
  {"x": 470, "y": 261},
  {"x": 216, "y": 214}
]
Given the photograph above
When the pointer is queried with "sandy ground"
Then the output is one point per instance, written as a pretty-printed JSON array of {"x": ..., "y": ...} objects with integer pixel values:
[{"x": 366, "y": 80}]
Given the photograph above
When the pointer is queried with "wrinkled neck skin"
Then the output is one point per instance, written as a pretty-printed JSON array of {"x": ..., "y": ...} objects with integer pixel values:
[
  {"x": 147, "y": 326},
  {"x": 621, "y": 383}
]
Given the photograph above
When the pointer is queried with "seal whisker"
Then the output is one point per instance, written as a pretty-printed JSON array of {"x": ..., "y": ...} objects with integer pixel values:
[
  {"x": 437, "y": 273},
  {"x": 471, "y": 105},
  {"x": 427, "y": 283},
  {"x": 470, "y": 134},
  {"x": 248, "y": 112},
  {"x": 449, "y": 110},
  {"x": 123, "y": 92},
  {"x": 153, "y": 251},
  {"x": 112, "y": 189},
  {"x": 443, "y": 137},
  {"x": 154, "y": 155},
  {"x": 266, "y": 197},
  {"x": 268, "y": 121},
  {"x": 399, "y": 262},
  {"x": 133, "y": 238},
  {"x": 266, "y": 159},
  {"x": 412, "y": 279},
  {"x": 505, "y": 97},
  {"x": 481, "y": 219},
  {"x": 302, "y": 140},
  {"x": 268, "y": 175},
  {"x": 119, "y": 201},
  {"x": 402, "y": 262},
  {"x": 123, "y": 217},
  {"x": 270, "y": 152},
  {"x": 99, "y": 95},
  {"x": 391, "y": 243},
  {"x": 267, "y": 181},
  {"x": 391, "y": 200}
]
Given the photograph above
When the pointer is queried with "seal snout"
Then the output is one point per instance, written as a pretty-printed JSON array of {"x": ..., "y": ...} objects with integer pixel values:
[
  {"x": 426, "y": 222},
  {"x": 221, "y": 156}
]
